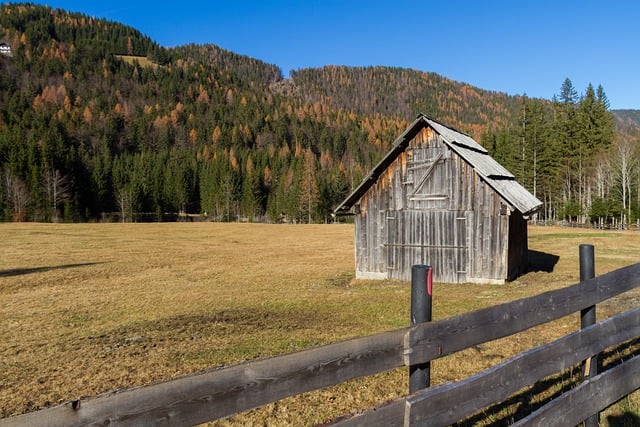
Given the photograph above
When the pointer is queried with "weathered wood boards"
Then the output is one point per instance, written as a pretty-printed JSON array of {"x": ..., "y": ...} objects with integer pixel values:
[
  {"x": 448, "y": 403},
  {"x": 588, "y": 398},
  {"x": 220, "y": 393},
  {"x": 439, "y": 199},
  {"x": 428, "y": 341}
]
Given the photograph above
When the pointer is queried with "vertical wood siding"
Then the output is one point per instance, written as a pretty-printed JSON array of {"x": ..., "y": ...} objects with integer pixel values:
[{"x": 430, "y": 207}]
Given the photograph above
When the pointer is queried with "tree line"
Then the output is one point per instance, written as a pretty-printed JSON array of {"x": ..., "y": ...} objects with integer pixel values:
[
  {"x": 568, "y": 154},
  {"x": 86, "y": 135},
  {"x": 196, "y": 130}
]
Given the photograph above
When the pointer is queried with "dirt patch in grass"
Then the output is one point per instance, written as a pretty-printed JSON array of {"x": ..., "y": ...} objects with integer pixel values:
[{"x": 89, "y": 308}]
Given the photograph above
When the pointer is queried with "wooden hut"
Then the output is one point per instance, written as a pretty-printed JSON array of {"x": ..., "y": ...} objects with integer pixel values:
[{"x": 438, "y": 198}]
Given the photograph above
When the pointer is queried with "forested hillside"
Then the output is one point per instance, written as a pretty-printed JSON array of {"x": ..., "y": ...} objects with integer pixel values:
[
  {"x": 98, "y": 122},
  {"x": 403, "y": 93},
  {"x": 85, "y": 133},
  {"x": 628, "y": 121},
  {"x": 565, "y": 151}
]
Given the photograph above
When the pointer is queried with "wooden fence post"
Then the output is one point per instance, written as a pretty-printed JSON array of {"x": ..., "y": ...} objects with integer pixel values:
[
  {"x": 588, "y": 318},
  {"x": 421, "y": 294}
]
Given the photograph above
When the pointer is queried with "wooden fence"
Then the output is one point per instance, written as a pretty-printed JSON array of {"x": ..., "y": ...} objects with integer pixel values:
[{"x": 220, "y": 393}]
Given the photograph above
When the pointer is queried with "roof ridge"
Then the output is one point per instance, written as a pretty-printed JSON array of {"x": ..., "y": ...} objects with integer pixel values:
[
  {"x": 428, "y": 117},
  {"x": 463, "y": 145}
]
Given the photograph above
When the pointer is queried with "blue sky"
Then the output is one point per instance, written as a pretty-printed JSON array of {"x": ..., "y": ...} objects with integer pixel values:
[{"x": 517, "y": 46}]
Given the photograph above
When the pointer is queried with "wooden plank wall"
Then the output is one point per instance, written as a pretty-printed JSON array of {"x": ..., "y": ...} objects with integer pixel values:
[
  {"x": 464, "y": 212},
  {"x": 488, "y": 236},
  {"x": 436, "y": 238},
  {"x": 370, "y": 224}
]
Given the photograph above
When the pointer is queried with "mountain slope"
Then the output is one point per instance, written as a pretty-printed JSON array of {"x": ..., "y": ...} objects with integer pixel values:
[
  {"x": 403, "y": 93},
  {"x": 200, "y": 131},
  {"x": 628, "y": 122}
]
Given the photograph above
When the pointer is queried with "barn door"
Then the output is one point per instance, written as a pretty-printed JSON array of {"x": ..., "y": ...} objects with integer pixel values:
[
  {"x": 436, "y": 238},
  {"x": 444, "y": 244}
]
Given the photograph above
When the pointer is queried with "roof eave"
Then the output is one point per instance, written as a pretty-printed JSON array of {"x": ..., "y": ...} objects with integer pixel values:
[{"x": 399, "y": 145}]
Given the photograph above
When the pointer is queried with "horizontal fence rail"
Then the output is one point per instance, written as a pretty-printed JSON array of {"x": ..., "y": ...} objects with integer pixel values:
[
  {"x": 220, "y": 393},
  {"x": 429, "y": 341},
  {"x": 450, "y": 403},
  {"x": 223, "y": 392},
  {"x": 588, "y": 398},
  {"x": 447, "y": 403}
]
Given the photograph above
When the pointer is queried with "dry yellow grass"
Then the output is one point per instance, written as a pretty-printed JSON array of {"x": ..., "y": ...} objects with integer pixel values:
[{"x": 89, "y": 308}]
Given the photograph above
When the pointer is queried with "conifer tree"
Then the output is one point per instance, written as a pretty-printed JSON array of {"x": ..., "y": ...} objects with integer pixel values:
[
  {"x": 537, "y": 157},
  {"x": 308, "y": 187},
  {"x": 251, "y": 191},
  {"x": 565, "y": 128}
]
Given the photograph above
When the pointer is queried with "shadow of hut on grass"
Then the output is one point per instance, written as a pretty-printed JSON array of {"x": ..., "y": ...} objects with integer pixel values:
[
  {"x": 532, "y": 398},
  {"x": 542, "y": 261},
  {"x": 525, "y": 402},
  {"x": 627, "y": 419}
]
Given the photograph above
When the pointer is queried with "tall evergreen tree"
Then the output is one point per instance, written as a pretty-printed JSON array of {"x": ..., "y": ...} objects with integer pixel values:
[
  {"x": 308, "y": 188},
  {"x": 565, "y": 128}
]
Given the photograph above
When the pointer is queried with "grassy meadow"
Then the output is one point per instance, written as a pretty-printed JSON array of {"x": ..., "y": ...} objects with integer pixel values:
[{"x": 88, "y": 308}]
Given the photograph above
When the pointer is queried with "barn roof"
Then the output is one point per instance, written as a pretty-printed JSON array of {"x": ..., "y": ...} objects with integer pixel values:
[{"x": 492, "y": 172}]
